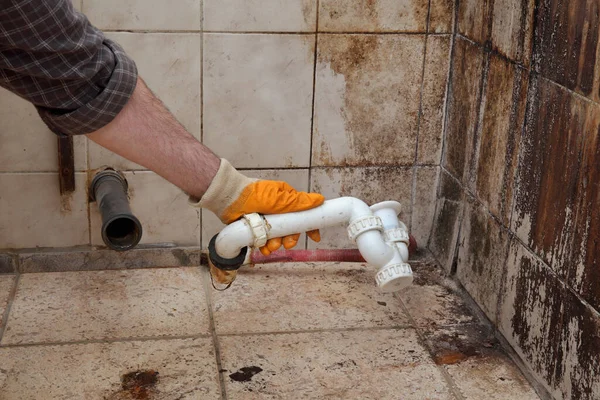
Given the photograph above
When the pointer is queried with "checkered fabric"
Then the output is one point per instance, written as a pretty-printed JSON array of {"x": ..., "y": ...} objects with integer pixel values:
[{"x": 53, "y": 57}]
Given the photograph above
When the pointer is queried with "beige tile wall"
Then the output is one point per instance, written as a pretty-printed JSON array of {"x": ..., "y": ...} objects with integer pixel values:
[{"x": 341, "y": 97}]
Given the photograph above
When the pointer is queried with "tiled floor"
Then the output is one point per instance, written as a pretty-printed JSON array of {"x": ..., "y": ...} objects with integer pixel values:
[{"x": 281, "y": 332}]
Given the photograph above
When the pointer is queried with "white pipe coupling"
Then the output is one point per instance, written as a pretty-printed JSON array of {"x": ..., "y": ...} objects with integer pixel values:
[{"x": 364, "y": 224}]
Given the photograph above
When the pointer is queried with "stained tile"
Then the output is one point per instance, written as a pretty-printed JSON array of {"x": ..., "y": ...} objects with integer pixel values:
[
  {"x": 423, "y": 209},
  {"x": 433, "y": 299},
  {"x": 6, "y": 286},
  {"x": 366, "y": 111},
  {"x": 297, "y": 178},
  {"x": 441, "y": 16},
  {"x": 260, "y": 16},
  {"x": 566, "y": 45},
  {"x": 258, "y": 96},
  {"x": 493, "y": 378},
  {"x": 437, "y": 65},
  {"x": 174, "y": 77},
  {"x": 463, "y": 108},
  {"x": 371, "y": 185},
  {"x": 444, "y": 235},
  {"x": 502, "y": 122},
  {"x": 474, "y": 18},
  {"x": 305, "y": 297},
  {"x": 8, "y": 263},
  {"x": 530, "y": 312},
  {"x": 107, "y": 305},
  {"x": 355, "y": 364},
  {"x": 162, "y": 209},
  {"x": 27, "y": 144},
  {"x": 35, "y": 215},
  {"x": 547, "y": 188},
  {"x": 135, "y": 14},
  {"x": 512, "y": 29},
  {"x": 373, "y": 16},
  {"x": 182, "y": 368},
  {"x": 483, "y": 244}
]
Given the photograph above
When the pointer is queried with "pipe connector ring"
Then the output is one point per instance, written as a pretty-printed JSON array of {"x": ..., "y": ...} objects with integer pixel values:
[
  {"x": 258, "y": 225},
  {"x": 396, "y": 235},
  {"x": 364, "y": 224}
]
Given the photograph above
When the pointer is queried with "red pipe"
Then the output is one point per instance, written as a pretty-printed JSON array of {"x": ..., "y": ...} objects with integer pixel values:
[{"x": 343, "y": 255}]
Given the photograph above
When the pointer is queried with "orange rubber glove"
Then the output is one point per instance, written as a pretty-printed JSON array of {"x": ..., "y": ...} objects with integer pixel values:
[{"x": 232, "y": 194}]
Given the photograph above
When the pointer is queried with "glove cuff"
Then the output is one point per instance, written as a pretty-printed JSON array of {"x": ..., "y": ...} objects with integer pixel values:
[{"x": 225, "y": 188}]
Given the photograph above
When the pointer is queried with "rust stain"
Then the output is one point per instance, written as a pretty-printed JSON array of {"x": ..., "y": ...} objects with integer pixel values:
[
  {"x": 566, "y": 42},
  {"x": 380, "y": 110},
  {"x": 464, "y": 98},
  {"x": 462, "y": 342},
  {"x": 139, "y": 385}
]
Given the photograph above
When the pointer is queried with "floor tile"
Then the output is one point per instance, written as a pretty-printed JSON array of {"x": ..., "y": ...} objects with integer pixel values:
[
  {"x": 27, "y": 143},
  {"x": 495, "y": 378},
  {"x": 260, "y": 15},
  {"x": 432, "y": 300},
  {"x": 135, "y": 14},
  {"x": 72, "y": 306},
  {"x": 305, "y": 296},
  {"x": 258, "y": 96},
  {"x": 371, "y": 185},
  {"x": 379, "y": 364},
  {"x": 6, "y": 286},
  {"x": 34, "y": 214},
  {"x": 367, "y": 99},
  {"x": 297, "y": 178},
  {"x": 373, "y": 16},
  {"x": 162, "y": 209},
  {"x": 174, "y": 77},
  {"x": 186, "y": 370}
]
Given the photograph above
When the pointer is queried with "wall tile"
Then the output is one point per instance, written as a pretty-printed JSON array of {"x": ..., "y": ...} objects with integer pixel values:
[
  {"x": 174, "y": 77},
  {"x": 366, "y": 99},
  {"x": 162, "y": 209},
  {"x": 34, "y": 214},
  {"x": 463, "y": 108},
  {"x": 260, "y": 15},
  {"x": 566, "y": 42},
  {"x": 423, "y": 208},
  {"x": 481, "y": 257},
  {"x": 441, "y": 16},
  {"x": 373, "y": 16},
  {"x": 474, "y": 18},
  {"x": 258, "y": 94},
  {"x": 512, "y": 29},
  {"x": 27, "y": 144},
  {"x": 371, "y": 185},
  {"x": 579, "y": 350},
  {"x": 505, "y": 98},
  {"x": 546, "y": 192},
  {"x": 437, "y": 64},
  {"x": 137, "y": 14},
  {"x": 530, "y": 312},
  {"x": 444, "y": 235},
  {"x": 298, "y": 179}
]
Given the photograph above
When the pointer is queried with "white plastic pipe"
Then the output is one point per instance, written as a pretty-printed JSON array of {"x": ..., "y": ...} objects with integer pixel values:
[
  {"x": 390, "y": 257},
  {"x": 375, "y": 251}
]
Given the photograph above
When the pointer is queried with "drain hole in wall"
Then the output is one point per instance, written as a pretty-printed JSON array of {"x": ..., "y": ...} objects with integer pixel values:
[{"x": 122, "y": 231}]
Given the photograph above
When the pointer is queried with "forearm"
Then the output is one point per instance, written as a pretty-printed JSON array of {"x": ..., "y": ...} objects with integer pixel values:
[{"x": 146, "y": 133}]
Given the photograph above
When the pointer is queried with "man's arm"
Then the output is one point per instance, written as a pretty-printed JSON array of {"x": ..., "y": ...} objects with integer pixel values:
[{"x": 146, "y": 133}]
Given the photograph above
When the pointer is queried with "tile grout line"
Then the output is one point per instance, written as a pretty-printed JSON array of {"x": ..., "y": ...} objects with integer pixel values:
[
  {"x": 201, "y": 106},
  {"x": 449, "y": 381},
  {"x": 312, "y": 116},
  {"x": 213, "y": 331},
  {"x": 323, "y": 330},
  {"x": 11, "y": 298},
  {"x": 106, "y": 341}
]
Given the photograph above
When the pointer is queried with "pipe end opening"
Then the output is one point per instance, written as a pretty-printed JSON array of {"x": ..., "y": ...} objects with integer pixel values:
[{"x": 122, "y": 233}]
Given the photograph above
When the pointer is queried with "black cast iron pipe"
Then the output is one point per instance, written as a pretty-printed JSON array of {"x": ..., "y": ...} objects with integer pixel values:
[{"x": 121, "y": 230}]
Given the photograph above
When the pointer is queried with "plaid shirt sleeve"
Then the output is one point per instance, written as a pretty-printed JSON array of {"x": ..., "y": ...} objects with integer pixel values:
[{"x": 53, "y": 57}]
